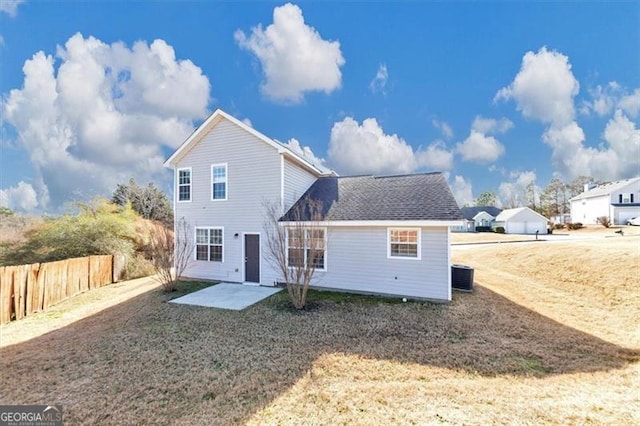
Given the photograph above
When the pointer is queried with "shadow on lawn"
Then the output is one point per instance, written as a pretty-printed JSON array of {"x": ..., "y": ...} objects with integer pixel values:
[{"x": 146, "y": 361}]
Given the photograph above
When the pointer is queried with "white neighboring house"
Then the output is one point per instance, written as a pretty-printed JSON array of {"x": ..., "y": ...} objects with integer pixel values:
[
  {"x": 483, "y": 216},
  {"x": 521, "y": 220},
  {"x": 383, "y": 235},
  {"x": 619, "y": 201}
]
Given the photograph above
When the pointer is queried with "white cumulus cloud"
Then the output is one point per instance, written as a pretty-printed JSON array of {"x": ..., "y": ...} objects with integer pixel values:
[
  {"x": 355, "y": 148},
  {"x": 544, "y": 87},
  {"x": 10, "y": 7},
  {"x": 379, "y": 82},
  {"x": 462, "y": 191},
  {"x": 516, "y": 192},
  {"x": 305, "y": 152},
  {"x": 365, "y": 148},
  {"x": 435, "y": 157},
  {"x": 294, "y": 57},
  {"x": 606, "y": 99},
  {"x": 480, "y": 146},
  {"x": 103, "y": 114},
  {"x": 491, "y": 125},
  {"x": 630, "y": 103},
  {"x": 20, "y": 197}
]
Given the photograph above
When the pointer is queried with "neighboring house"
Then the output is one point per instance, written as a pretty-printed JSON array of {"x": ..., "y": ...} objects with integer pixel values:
[
  {"x": 619, "y": 201},
  {"x": 521, "y": 220},
  {"x": 477, "y": 216},
  {"x": 385, "y": 235}
]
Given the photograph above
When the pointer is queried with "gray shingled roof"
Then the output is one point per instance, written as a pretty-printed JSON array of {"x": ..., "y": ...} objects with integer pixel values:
[
  {"x": 470, "y": 212},
  {"x": 606, "y": 188},
  {"x": 409, "y": 197}
]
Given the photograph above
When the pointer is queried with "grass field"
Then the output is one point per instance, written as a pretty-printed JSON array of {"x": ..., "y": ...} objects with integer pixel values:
[{"x": 536, "y": 343}]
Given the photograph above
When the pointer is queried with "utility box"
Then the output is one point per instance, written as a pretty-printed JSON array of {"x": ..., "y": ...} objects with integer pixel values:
[{"x": 462, "y": 277}]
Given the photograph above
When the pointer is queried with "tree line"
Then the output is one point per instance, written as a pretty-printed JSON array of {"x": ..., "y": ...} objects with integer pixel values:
[{"x": 553, "y": 200}]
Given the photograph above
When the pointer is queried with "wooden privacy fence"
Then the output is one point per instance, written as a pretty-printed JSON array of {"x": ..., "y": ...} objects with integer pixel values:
[{"x": 26, "y": 289}]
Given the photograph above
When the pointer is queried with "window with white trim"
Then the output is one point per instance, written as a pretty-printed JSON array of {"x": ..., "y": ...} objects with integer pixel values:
[
  {"x": 307, "y": 245},
  {"x": 209, "y": 244},
  {"x": 219, "y": 182},
  {"x": 403, "y": 243},
  {"x": 184, "y": 184}
]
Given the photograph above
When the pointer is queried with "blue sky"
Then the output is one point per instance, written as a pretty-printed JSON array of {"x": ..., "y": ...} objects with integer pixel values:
[{"x": 495, "y": 94}]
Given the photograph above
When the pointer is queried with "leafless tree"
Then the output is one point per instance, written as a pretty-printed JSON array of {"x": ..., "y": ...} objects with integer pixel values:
[
  {"x": 296, "y": 247},
  {"x": 171, "y": 253}
]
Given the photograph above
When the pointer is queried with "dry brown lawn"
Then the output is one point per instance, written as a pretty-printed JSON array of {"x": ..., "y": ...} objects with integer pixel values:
[
  {"x": 587, "y": 231},
  {"x": 531, "y": 345}
]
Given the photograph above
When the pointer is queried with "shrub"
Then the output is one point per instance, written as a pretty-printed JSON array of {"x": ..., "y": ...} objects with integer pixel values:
[
  {"x": 604, "y": 221},
  {"x": 575, "y": 225},
  {"x": 558, "y": 226},
  {"x": 483, "y": 229},
  {"x": 99, "y": 228},
  {"x": 499, "y": 229}
]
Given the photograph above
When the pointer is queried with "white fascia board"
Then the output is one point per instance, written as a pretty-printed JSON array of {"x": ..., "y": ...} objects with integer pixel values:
[{"x": 390, "y": 223}]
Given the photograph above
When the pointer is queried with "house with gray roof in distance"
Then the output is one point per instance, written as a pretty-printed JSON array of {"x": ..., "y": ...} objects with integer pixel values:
[
  {"x": 478, "y": 216},
  {"x": 619, "y": 201},
  {"x": 382, "y": 235}
]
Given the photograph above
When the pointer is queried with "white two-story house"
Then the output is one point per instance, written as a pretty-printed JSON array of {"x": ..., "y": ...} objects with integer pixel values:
[
  {"x": 386, "y": 235},
  {"x": 619, "y": 201}
]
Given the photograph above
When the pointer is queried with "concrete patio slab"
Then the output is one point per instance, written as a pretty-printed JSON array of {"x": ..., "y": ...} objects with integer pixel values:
[{"x": 227, "y": 296}]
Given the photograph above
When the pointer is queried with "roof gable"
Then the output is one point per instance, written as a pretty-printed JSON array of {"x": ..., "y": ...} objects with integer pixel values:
[
  {"x": 419, "y": 197},
  {"x": 510, "y": 214},
  {"x": 482, "y": 215},
  {"x": 216, "y": 117},
  {"x": 470, "y": 213},
  {"x": 607, "y": 188}
]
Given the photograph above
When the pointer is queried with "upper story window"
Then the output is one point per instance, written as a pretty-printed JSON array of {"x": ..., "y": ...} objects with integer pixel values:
[
  {"x": 184, "y": 184},
  {"x": 403, "y": 243},
  {"x": 625, "y": 198},
  {"x": 209, "y": 244},
  {"x": 219, "y": 182},
  {"x": 307, "y": 246}
]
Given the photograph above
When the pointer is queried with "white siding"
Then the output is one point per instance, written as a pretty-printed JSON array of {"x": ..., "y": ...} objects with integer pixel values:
[
  {"x": 296, "y": 182},
  {"x": 357, "y": 261},
  {"x": 253, "y": 175},
  {"x": 587, "y": 210}
]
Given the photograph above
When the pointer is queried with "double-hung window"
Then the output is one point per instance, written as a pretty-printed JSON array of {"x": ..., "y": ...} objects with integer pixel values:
[
  {"x": 403, "y": 243},
  {"x": 219, "y": 182},
  {"x": 209, "y": 244},
  {"x": 184, "y": 184},
  {"x": 307, "y": 247}
]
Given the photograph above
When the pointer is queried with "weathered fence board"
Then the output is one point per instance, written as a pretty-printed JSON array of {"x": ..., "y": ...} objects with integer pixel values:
[
  {"x": 26, "y": 289},
  {"x": 6, "y": 294}
]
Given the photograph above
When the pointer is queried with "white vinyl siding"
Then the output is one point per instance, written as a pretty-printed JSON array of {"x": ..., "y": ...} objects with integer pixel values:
[
  {"x": 184, "y": 185},
  {"x": 296, "y": 182},
  {"x": 254, "y": 175},
  {"x": 359, "y": 263},
  {"x": 403, "y": 243},
  {"x": 210, "y": 244},
  {"x": 219, "y": 182}
]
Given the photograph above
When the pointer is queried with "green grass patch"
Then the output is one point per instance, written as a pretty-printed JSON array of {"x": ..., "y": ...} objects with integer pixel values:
[
  {"x": 318, "y": 298},
  {"x": 186, "y": 287}
]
